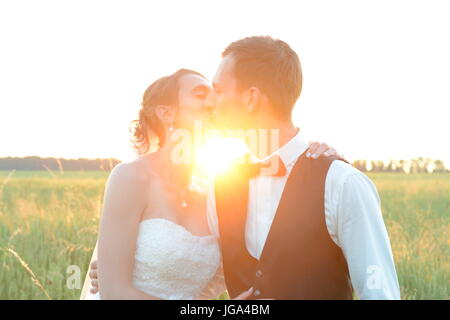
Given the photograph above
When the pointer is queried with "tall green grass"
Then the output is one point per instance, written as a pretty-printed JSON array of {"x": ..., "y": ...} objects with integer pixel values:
[
  {"x": 416, "y": 210},
  {"x": 48, "y": 221},
  {"x": 51, "y": 223}
]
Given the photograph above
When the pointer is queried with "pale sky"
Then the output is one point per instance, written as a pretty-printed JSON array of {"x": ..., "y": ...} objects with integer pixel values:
[{"x": 72, "y": 73}]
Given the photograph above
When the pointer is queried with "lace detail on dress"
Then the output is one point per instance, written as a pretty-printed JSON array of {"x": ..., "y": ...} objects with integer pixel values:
[{"x": 172, "y": 263}]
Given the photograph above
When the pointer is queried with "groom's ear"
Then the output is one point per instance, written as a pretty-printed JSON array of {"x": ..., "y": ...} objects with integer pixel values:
[{"x": 252, "y": 97}]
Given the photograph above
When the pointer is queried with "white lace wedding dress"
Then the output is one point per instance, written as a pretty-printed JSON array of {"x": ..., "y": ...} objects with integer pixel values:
[{"x": 173, "y": 264}]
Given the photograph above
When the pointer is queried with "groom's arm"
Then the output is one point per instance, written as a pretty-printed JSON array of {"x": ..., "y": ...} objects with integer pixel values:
[{"x": 355, "y": 223}]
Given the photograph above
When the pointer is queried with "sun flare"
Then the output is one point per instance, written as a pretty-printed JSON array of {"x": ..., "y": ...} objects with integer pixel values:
[{"x": 217, "y": 154}]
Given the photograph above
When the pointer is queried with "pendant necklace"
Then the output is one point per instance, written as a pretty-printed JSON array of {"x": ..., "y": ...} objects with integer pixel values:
[{"x": 184, "y": 204}]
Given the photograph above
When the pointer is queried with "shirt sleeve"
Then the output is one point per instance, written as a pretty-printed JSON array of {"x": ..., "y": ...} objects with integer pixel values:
[{"x": 361, "y": 233}]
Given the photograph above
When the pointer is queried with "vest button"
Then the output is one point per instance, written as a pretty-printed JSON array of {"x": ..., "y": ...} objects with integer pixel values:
[
  {"x": 257, "y": 293},
  {"x": 259, "y": 273}
]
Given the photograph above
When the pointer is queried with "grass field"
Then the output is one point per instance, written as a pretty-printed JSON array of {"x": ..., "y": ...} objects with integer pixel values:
[{"x": 48, "y": 222}]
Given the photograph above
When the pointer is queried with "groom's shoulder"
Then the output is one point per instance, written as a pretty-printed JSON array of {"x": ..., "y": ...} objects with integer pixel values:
[
  {"x": 336, "y": 166},
  {"x": 341, "y": 172},
  {"x": 340, "y": 167},
  {"x": 344, "y": 182}
]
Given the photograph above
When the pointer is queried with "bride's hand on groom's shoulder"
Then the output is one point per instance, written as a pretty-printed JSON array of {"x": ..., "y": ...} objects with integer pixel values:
[
  {"x": 246, "y": 295},
  {"x": 94, "y": 277},
  {"x": 318, "y": 149}
]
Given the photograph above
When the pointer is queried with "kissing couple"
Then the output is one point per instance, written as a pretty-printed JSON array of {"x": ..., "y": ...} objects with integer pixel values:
[{"x": 312, "y": 229}]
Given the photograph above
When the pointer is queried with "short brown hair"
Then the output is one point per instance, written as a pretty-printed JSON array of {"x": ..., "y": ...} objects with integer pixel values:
[{"x": 270, "y": 65}]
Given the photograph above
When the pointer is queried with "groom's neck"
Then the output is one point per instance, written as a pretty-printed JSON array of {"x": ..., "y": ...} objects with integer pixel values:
[
  {"x": 279, "y": 132},
  {"x": 287, "y": 132}
]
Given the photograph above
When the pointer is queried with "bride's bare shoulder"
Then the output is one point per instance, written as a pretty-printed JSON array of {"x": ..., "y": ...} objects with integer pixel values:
[{"x": 130, "y": 172}]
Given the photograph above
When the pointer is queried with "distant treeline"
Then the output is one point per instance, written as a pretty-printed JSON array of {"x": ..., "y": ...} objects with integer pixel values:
[
  {"x": 418, "y": 165},
  {"x": 56, "y": 164}
]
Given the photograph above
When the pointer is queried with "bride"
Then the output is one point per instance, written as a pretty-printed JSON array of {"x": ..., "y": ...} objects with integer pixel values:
[{"x": 154, "y": 240}]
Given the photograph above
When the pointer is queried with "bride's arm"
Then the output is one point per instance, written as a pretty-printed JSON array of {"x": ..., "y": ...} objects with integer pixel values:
[
  {"x": 215, "y": 287},
  {"x": 123, "y": 206}
]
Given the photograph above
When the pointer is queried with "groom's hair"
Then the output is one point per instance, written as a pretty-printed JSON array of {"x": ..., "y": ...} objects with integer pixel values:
[{"x": 270, "y": 65}]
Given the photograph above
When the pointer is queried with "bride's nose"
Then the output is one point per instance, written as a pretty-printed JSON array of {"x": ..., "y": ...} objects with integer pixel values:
[{"x": 210, "y": 103}]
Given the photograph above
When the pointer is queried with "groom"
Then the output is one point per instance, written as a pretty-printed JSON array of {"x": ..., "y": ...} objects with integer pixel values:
[
  {"x": 311, "y": 230},
  {"x": 314, "y": 232}
]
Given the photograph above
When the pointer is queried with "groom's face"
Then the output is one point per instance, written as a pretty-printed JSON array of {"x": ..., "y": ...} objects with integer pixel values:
[{"x": 229, "y": 103}]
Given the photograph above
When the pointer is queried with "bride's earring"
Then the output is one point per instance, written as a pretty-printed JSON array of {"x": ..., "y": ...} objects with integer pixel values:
[{"x": 171, "y": 127}]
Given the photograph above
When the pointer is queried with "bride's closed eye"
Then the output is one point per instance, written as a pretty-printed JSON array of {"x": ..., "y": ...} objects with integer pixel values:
[
  {"x": 201, "y": 92},
  {"x": 201, "y": 96}
]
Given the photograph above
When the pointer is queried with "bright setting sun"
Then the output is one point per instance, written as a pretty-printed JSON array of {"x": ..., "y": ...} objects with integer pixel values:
[{"x": 217, "y": 154}]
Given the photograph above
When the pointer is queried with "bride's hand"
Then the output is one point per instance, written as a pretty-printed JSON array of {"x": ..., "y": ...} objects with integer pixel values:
[
  {"x": 246, "y": 294},
  {"x": 94, "y": 277},
  {"x": 317, "y": 149}
]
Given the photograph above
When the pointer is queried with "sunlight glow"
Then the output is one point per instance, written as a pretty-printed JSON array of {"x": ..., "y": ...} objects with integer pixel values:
[{"x": 217, "y": 154}]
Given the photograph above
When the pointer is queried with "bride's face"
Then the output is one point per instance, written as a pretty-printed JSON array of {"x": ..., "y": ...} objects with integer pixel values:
[{"x": 194, "y": 104}]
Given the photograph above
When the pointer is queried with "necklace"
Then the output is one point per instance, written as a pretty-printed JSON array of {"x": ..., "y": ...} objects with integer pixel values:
[
  {"x": 184, "y": 203},
  {"x": 181, "y": 192},
  {"x": 183, "y": 196}
]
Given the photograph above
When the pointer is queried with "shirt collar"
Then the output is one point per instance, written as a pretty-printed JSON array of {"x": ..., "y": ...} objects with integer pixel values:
[{"x": 290, "y": 152}]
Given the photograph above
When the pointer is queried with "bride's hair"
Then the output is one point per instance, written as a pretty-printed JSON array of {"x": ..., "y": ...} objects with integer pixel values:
[{"x": 163, "y": 91}]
